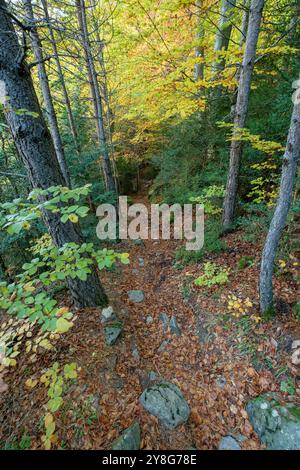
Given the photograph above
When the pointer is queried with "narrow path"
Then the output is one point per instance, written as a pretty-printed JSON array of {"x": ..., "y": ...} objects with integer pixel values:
[{"x": 205, "y": 372}]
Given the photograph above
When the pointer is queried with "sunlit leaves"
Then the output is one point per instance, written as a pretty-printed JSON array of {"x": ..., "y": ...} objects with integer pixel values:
[
  {"x": 63, "y": 325},
  {"x": 54, "y": 379}
]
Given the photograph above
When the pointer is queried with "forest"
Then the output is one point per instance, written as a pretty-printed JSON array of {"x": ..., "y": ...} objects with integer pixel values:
[{"x": 111, "y": 341}]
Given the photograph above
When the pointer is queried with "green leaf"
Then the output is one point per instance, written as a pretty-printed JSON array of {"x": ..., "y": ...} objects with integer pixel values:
[
  {"x": 65, "y": 218},
  {"x": 54, "y": 404}
]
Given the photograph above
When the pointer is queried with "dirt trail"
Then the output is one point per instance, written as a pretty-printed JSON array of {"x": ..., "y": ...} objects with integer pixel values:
[
  {"x": 204, "y": 361},
  {"x": 206, "y": 372}
]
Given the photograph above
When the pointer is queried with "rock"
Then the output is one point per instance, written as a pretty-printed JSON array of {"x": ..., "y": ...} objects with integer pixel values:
[
  {"x": 130, "y": 439},
  {"x": 174, "y": 328},
  {"x": 135, "y": 271},
  {"x": 112, "y": 331},
  {"x": 229, "y": 443},
  {"x": 149, "y": 319},
  {"x": 221, "y": 381},
  {"x": 296, "y": 357},
  {"x": 136, "y": 295},
  {"x": 108, "y": 314},
  {"x": 116, "y": 382},
  {"x": 202, "y": 331},
  {"x": 141, "y": 262},
  {"x": 138, "y": 242},
  {"x": 163, "y": 345},
  {"x": 296, "y": 344},
  {"x": 165, "y": 401},
  {"x": 165, "y": 320},
  {"x": 152, "y": 376},
  {"x": 278, "y": 426},
  {"x": 135, "y": 351}
]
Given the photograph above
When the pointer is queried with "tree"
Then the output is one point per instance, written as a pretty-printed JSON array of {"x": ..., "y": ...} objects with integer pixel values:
[
  {"x": 44, "y": 83},
  {"x": 288, "y": 176},
  {"x": 35, "y": 146},
  {"x": 199, "y": 52},
  {"x": 96, "y": 96},
  {"x": 61, "y": 77},
  {"x": 223, "y": 34},
  {"x": 241, "y": 110}
]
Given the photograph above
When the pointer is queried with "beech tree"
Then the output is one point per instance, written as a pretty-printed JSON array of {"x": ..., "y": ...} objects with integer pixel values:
[
  {"x": 241, "y": 110},
  {"x": 288, "y": 176},
  {"x": 223, "y": 33},
  {"x": 35, "y": 146},
  {"x": 96, "y": 96},
  {"x": 61, "y": 76},
  {"x": 44, "y": 83},
  {"x": 199, "y": 52}
]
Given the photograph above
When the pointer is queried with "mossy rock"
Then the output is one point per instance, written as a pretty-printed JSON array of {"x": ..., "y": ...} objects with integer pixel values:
[
  {"x": 278, "y": 426},
  {"x": 130, "y": 439}
]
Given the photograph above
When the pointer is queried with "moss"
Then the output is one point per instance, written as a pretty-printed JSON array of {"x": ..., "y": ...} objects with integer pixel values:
[
  {"x": 269, "y": 313},
  {"x": 295, "y": 411}
]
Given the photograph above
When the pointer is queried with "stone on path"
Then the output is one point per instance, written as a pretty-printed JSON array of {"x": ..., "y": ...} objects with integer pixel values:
[
  {"x": 135, "y": 351},
  {"x": 163, "y": 345},
  {"x": 277, "y": 426},
  {"x": 107, "y": 314},
  {"x": 172, "y": 323},
  {"x": 149, "y": 319},
  {"x": 136, "y": 295},
  {"x": 229, "y": 443},
  {"x": 141, "y": 262},
  {"x": 112, "y": 331},
  {"x": 130, "y": 439},
  {"x": 174, "y": 328},
  {"x": 165, "y": 401},
  {"x": 165, "y": 320}
]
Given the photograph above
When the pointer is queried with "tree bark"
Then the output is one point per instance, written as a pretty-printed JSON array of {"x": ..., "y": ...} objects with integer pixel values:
[
  {"x": 61, "y": 78},
  {"x": 243, "y": 36},
  {"x": 223, "y": 33},
  {"x": 97, "y": 100},
  {"x": 106, "y": 97},
  {"x": 35, "y": 146},
  {"x": 241, "y": 110},
  {"x": 288, "y": 177},
  {"x": 45, "y": 87},
  {"x": 199, "y": 52}
]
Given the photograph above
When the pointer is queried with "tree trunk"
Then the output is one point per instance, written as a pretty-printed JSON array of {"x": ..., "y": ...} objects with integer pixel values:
[
  {"x": 44, "y": 83},
  {"x": 243, "y": 36},
  {"x": 199, "y": 52},
  {"x": 61, "y": 78},
  {"x": 97, "y": 101},
  {"x": 288, "y": 176},
  {"x": 223, "y": 33},
  {"x": 37, "y": 151},
  {"x": 106, "y": 97},
  {"x": 241, "y": 110}
]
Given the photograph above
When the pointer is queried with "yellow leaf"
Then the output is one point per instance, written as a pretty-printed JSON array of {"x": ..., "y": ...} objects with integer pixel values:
[
  {"x": 73, "y": 218},
  {"x": 48, "y": 419},
  {"x": 28, "y": 287},
  {"x": 61, "y": 311},
  {"x": 63, "y": 325},
  {"x": 45, "y": 344},
  {"x": 31, "y": 383}
]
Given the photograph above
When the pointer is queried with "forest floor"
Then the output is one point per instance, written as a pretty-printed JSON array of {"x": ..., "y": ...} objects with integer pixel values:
[{"x": 219, "y": 361}]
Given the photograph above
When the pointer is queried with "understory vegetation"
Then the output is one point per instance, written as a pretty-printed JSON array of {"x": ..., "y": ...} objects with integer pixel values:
[{"x": 166, "y": 102}]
